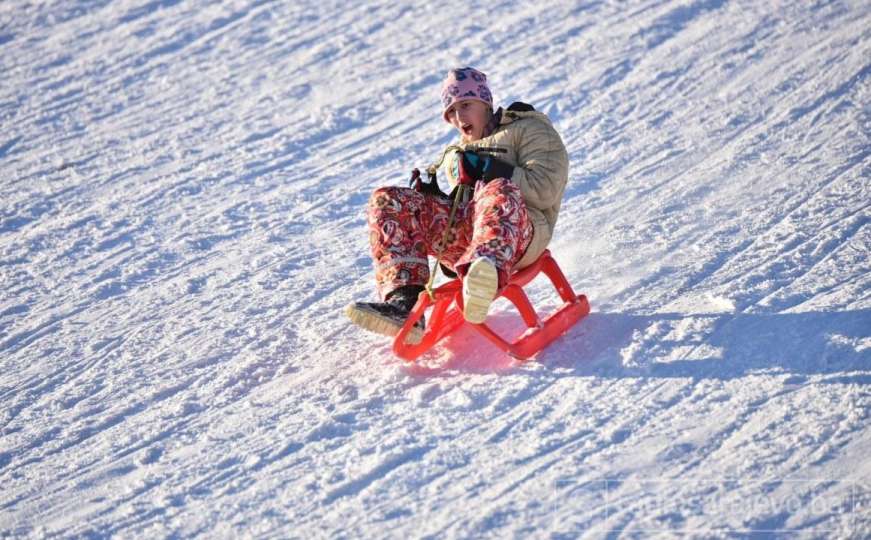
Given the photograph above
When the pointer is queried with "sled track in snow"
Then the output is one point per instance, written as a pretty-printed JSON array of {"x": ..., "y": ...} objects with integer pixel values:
[{"x": 184, "y": 188}]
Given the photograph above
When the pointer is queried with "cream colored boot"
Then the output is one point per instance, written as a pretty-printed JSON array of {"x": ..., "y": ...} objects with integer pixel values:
[{"x": 479, "y": 289}]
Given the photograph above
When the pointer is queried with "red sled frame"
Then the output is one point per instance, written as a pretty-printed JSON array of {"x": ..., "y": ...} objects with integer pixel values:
[{"x": 447, "y": 314}]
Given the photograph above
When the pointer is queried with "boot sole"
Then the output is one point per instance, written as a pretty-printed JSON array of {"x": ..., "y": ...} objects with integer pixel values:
[
  {"x": 381, "y": 325},
  {"x": 479, "y": 290}
]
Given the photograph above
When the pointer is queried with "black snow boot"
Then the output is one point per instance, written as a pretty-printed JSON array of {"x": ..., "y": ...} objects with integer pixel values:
[{"x": 389, "y": 317}]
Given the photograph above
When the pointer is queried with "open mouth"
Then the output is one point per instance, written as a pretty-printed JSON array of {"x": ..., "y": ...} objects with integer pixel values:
[{"x": 467, "y": 129}]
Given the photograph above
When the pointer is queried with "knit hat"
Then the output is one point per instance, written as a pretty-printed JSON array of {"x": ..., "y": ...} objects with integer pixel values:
[{"x": 463, "y": 84}]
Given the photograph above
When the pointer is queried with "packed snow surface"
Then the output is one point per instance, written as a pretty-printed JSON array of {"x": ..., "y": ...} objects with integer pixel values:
[{"x": 183, "y": 189}]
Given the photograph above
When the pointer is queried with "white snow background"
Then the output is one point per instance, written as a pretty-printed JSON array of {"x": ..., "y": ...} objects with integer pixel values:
[{"x": 183, "y": 189}]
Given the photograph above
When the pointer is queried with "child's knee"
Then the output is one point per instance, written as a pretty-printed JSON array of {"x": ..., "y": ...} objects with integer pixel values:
[
  {"x": 500, "y": 186},
  {"x": 386, "y": 196}
]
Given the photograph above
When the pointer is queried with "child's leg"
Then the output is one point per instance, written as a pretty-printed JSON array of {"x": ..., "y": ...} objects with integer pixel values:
[
  {"x": 404, "y": 227},
  {"x": 502, "y": 229}
]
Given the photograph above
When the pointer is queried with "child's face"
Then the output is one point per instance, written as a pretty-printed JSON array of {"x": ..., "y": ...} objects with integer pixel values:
[{"x": 470, "y": 118}]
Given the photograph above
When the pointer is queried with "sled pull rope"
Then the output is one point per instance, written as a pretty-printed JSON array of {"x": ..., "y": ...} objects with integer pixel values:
[
  {"x": 432, "y": 169},
  {"x": 461, "y": 191},
  {"x": 458, "y": 196}
]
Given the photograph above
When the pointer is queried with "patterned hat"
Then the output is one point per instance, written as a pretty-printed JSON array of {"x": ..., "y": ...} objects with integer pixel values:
[{"x": 463, "y": 84}]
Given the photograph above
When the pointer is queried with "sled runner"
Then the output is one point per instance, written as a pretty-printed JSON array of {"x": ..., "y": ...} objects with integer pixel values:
[{"x": 447, "y": 314}]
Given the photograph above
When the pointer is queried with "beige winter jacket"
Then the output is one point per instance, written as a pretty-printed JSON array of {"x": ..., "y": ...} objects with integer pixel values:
[{"x": 541, "y": 169}]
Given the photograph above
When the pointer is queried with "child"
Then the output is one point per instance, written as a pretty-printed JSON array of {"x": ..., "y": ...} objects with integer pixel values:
[{"x": 516, "y": 164}]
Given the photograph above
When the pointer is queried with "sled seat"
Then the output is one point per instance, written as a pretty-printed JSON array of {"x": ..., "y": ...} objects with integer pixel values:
[{"x": 447, "y": 314}]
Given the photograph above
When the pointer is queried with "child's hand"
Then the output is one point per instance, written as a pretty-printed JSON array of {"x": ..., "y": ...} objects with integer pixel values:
[{"x": 474, "y": 167}]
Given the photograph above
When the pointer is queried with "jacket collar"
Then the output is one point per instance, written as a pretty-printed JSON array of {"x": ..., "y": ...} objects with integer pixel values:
[{"x": 495, "y": 122}]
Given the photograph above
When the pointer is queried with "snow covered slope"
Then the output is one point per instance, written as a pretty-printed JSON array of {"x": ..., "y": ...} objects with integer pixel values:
[{"x": 183, "y": 187}]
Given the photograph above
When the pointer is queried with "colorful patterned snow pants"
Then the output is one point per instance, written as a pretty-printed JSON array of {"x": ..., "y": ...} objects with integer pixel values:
[{"x": 405, "y": 226}]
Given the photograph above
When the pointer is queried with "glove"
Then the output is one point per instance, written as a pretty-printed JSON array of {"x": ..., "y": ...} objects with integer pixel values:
[
  {"x": 430, "y": 188},
  {"x": 473, "y": 166}
]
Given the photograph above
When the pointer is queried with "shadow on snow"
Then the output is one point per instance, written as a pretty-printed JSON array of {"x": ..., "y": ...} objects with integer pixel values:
[{"x": 678, "y": 345}]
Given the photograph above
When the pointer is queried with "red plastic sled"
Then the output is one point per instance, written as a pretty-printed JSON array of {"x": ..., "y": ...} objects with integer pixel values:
[{"x": 447, "y": 314}]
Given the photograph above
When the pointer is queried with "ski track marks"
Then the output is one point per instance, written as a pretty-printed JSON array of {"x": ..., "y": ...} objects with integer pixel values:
[{"x": 183, "y": 219}]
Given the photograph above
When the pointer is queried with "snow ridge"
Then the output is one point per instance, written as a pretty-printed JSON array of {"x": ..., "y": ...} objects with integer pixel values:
[{"x": 184, "y": 186}]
